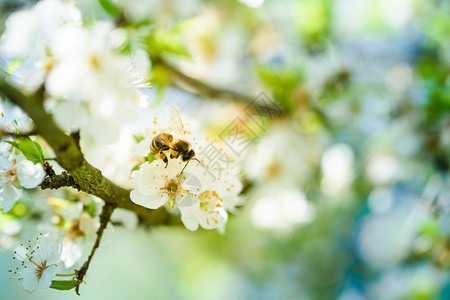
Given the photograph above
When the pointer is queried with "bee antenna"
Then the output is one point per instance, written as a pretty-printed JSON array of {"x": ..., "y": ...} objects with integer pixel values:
[{"x": 197, "y": 160}]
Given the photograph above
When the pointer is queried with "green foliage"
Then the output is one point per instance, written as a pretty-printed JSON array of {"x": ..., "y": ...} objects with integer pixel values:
[
  {"x": 165, "y": 41},
  {"x": 110, "y": 8},
  {"x": 32, "y": 150},
  {"x": 63, "y": 284},
  {"x": 91, "y": 208},
  {"x": 286, "y": 85}
]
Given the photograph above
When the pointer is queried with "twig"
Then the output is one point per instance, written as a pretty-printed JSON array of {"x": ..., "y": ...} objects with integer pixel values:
[
  {"x": 104, "y": 220},
  {"x": 58, "y": 181},
  {"x": 206, "y": 90}
]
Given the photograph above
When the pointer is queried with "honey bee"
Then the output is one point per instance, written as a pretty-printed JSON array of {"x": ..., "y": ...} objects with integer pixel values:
[{"x": 173, "y": 141}]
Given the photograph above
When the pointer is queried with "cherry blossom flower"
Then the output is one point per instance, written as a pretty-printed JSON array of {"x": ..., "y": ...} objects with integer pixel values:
[
  {"x": 25, "y": 173},
  {"x": 157, "y": 185},
  {"x": 208, "y": 212},
  {"x": 38, "y": 261}
]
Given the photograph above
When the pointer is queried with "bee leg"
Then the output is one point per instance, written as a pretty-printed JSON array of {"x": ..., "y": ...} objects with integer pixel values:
[{"x": 164, "y": 158}]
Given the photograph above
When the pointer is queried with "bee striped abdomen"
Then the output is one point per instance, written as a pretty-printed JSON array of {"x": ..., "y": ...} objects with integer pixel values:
[{"x": 161, "y": 142}]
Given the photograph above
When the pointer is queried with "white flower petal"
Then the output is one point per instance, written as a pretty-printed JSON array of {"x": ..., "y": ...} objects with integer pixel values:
[
  {"x": 20, "y": 253},
  {"x": 143, "y": 147},
  {"x": 213, "y": 219},
  {"x": 71, "y": 252},
  {"x": 43, "y": 249},
  {"x": 70, "y": 116},
  {"x": 8, "y": 197},
  {"x": 30, "y": 175},
  {"x": 72, "y": 211},
  {"x": 152, "y": 202},
  {"x": 47, "y": 276},
  {"x": 88, "y": 225},
  {"x": 55, "y": 253},
  {"x": 174, "y": 167},
  {"x": 125, "y": 217},
  {"x": 105, "y": 131},
  {"x": 29, "y": 279},
  {"x": 190, "y": 217},
  {"x": 149, "y": 179}
]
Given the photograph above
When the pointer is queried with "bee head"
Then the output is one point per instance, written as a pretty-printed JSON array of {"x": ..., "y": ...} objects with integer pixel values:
[{"x": 187, "y": 156}]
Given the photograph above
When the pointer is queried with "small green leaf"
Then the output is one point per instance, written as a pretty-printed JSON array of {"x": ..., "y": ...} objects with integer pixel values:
[
  {"x": 63, "y": 284},
  {"x": 12, "y": 66},
  {"x": 39, "y": 148},
  {"x": 166, "y": 41},
  {"x": 13, "y": 144},
  {"x": 150, "y": 157},
  {"x": 135, "y": 168},
  {"x": 91, "y": 208},
  {"x": 138, "y": 138},
  {"x": 30, "y": 149},
  {"x": 109, "y": 7}
]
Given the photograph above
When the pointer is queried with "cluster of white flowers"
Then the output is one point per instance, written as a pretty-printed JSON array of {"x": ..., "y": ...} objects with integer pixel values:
[
  {"x": 202, "y": 194},
  {"x": 88, "y": 81},
  {"x": 38, "y": 262},
  {"x": 16, "y": 172}
]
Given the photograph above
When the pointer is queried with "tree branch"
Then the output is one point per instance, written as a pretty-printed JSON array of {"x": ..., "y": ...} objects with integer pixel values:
[
  {"x": 206, "y": 90},
  {"x": 88, "y": 178},
  {"x": 104, "y": 220},
  {"x": 58, "y": 181}
]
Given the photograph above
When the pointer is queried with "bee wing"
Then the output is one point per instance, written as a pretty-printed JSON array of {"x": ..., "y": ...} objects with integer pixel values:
[
  {"x": 176, "y": 125},
  {"x": 152, "y": 132}
]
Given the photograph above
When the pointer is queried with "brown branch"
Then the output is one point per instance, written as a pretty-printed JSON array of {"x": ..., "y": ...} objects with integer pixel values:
[
  {"x": 105, "y": 216},
  {"x": 206, "y": 90},
  {"x": 58, "y": 181},
  {"x": 190, "y": 84},
  {"x": 88, "y": 178}
]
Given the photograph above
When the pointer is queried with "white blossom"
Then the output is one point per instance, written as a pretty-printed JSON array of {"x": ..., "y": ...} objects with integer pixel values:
[
  {"x": 29, "y": 29},
  {"x": 208, "y": 212},
  {"x": 38, "y": 260},
  {"x": 30, "y": 175},
  {"x": 157, "y": 185},
  {"x": 82, "y": 228}
]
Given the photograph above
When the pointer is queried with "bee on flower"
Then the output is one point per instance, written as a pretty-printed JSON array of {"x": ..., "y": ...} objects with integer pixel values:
[{"x": 176, "y": 178}]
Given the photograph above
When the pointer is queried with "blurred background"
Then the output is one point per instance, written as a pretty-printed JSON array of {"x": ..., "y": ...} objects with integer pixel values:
[{"x": 346, "y": 178}]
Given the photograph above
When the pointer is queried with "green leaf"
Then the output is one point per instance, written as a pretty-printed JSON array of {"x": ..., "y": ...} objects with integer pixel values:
[
  {"x": 39, "y": 148},
  {"x": 91, "y": 208},
  {"x": 166, "y": 41},
  {"x": 109, "y": 7},
  {"x": 12, "y": 66},
  {"x": 63, "y": 284},
  {"x": 135, "y": 168},
  {"x": 137, "y": 138},
  {"x": 150, "y": 157},
  {"x": 12, "y": 144},
  {"x": 30, "y": 149}
]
